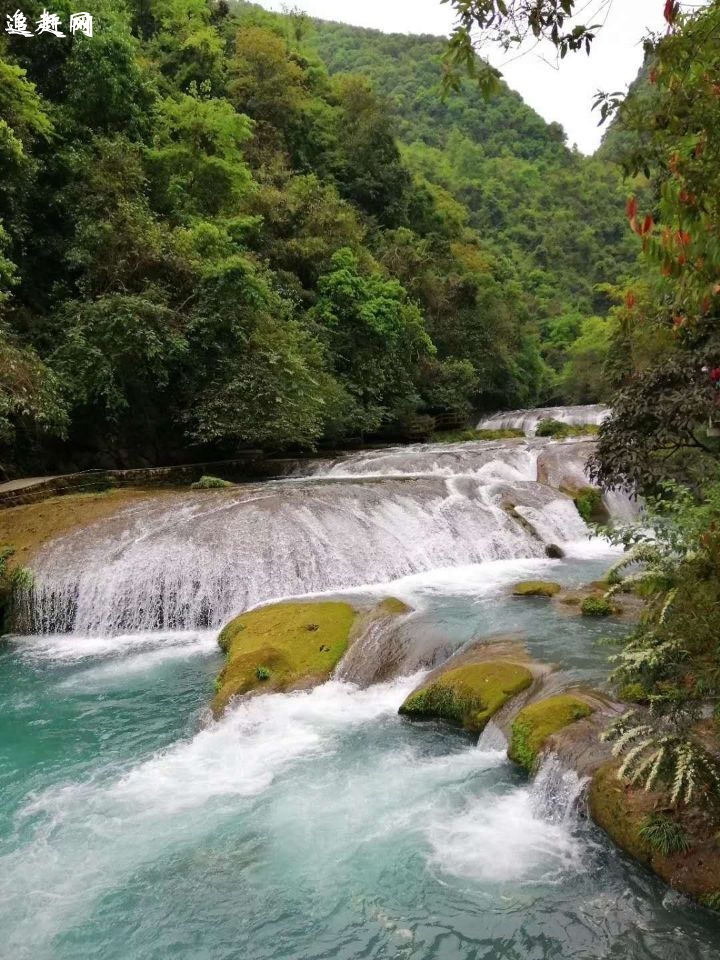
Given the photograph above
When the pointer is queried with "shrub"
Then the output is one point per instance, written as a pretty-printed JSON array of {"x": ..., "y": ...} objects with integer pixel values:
[
  {"x": 551, "y": 428},
  {"x": 596, "y": 607},
  {"x": 664, "y": 835},
  {"x": 210, "y": 483},
  {"x": 589, "y": 503},
  {"x": 262, "y": 673},
  {"x": 561, "y": 431}
]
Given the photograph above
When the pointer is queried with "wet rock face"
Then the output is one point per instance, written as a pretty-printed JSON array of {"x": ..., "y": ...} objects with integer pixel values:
[
  {"x": 622, "y": 811},
  {"x": 381, "y": 646}
]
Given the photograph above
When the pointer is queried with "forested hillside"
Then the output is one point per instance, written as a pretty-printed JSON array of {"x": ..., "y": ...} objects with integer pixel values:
[
  {"x": 211, "y": 239},
  {"x": 557, "y": 213}
]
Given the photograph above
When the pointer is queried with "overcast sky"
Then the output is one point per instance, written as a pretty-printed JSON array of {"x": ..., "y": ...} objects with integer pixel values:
[{"x": 564, "y": 94}]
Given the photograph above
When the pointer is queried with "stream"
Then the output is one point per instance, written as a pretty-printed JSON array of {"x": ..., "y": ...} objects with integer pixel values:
[{"x": 317, "y": 825}]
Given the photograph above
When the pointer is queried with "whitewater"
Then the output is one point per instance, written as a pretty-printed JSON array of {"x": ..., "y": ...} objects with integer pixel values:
[{"x": 317, "y": 824}]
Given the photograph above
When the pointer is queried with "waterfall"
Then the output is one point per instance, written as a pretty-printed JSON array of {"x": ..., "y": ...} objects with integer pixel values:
[
  {"x": 528, "y": 420},
  {"x": 192, "y": 559},
  {"x": 492, "y": 738},
  {"x": 557, "y": 791}
]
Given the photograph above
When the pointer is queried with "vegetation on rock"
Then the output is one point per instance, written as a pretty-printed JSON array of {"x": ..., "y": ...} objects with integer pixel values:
[
  {"x": 536, "y": 723},
  {"x": 210, "y": 483},
  {"x": 536, "y": 588},
  {"x": 468, "y": 696},
  {"x": 589, "y": 502},
  {"x": 596, "y": 607},
  {"x": 281, "y": 647}
]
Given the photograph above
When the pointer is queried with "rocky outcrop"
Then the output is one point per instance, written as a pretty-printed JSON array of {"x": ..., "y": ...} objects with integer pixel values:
[
  {"x": 474, "y": 685},
  {"x": 536, "y": 723},
  {"x": 535, "y": 588},
  {"x": 293, "y": 645}
]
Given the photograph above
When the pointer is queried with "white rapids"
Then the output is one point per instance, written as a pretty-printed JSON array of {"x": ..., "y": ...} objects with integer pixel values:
[
  {"x": 191, "y": 560},
  {"x": 528, "y": 420}
]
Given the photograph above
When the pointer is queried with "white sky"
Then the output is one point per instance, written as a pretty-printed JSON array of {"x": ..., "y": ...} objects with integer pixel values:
[{"x": 563, "y": 94}]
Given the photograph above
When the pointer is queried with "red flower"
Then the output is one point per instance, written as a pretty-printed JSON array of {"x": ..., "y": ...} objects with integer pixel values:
[
  {"x": 631, "y": 208},
  {"x": 670, "y": 11},
  {"x": 648, "y": 224},
  {"x": 715, "y": 374},
  {"x": 629, "y": 299}
]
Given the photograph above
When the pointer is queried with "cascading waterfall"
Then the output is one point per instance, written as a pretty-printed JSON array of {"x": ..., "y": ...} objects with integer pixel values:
[
  {"x": 528, "y": 420},
  {"x": 557, "y": 790},
  {"x": 316, "y": 822},
  {"x": 192, "y": 560}
]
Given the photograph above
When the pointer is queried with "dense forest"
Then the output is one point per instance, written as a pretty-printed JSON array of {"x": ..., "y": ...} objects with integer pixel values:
[{"x": 211, "y": 238}]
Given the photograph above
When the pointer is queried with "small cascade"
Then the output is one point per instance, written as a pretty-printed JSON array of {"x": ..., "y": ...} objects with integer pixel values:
[
  {"x": 191, "y": 560},
  {"x": 492, "y": 738},
  {"x": 528, "y": 420},
  {"x": 557, "y": 790},
  {"x": 194, "y": 560}
]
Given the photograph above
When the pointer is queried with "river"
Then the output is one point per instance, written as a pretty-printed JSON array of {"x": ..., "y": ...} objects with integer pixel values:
[{"x": 317, "y": 824}]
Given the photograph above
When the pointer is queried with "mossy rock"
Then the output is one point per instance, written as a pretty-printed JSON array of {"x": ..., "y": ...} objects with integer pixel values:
[
  {"x": 390, "y": 607},
  {"x": 210, "y": 483},
  {"x": 282, "y": 647},
  {"x": 469, "y": 695},
  {"x": 596, "y": 607},
  {"x": 536, "y": 723},
  {"x": 536, "y": 588}
]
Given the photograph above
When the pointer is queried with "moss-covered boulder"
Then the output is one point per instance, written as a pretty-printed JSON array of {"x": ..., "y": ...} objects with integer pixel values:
[
  {"x": 536, "y": 723},
  {"x": 536, "y": 588},
  {"x": 470, "y": 695},
  {"x": 624, "y": 813},
  {"x": 597, "y": 607},
  {"x": 283, "y": 647}
]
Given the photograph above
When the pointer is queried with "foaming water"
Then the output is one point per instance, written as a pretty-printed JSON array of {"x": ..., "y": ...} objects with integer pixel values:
[
  {"x": 195, "y": 563},
  {"x": 528, "y": 420},
  {"x": 193, "y": 560},
  {"x": 75, "y": 835},
  {"x": 312, "y": 824},
  {"x": 503, "y": 839}
]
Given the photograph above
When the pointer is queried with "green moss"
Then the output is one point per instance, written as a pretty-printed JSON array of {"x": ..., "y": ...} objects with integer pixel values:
[
  {"x": 391, "y": 606},
  {"x": 590, "y": 506},
  {"x": 210, "y": 483},
  {"x": 535, "y": 724},
  {"x": 561, "y": 431},
  {"x": 611, "y": 808},
  {"x": 633, "y": 693},
  {"x": 468, "y": 434},
  {"x": 509, "y": 433},
  {"x": 468, "y": 696},
  {"x": 294, "y": 643},
  {"x": 596, "y": 607},
  {"x": 536, "y": 588}
]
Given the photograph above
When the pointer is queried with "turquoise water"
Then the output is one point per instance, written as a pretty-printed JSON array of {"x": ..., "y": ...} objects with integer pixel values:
[{"x": 313, "y": 825}]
